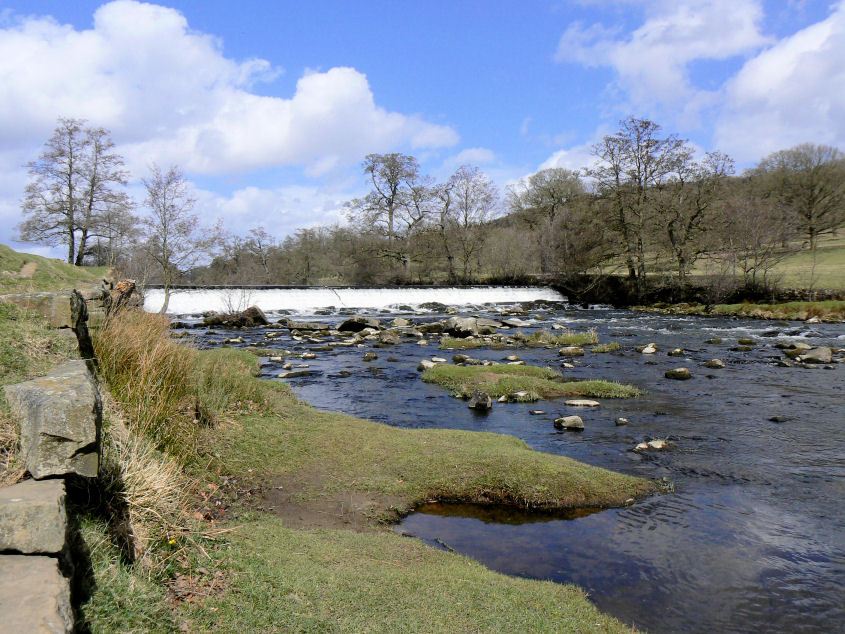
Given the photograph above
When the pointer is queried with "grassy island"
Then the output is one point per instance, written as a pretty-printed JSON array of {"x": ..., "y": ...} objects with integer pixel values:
[{"x": 504, "y": 380}]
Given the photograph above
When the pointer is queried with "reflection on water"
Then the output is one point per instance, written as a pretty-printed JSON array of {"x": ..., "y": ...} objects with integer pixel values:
[{"x": 753, "y": 538}]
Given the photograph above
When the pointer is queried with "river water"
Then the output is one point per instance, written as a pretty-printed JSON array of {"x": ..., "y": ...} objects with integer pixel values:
[{"x": 753, "y": 536}]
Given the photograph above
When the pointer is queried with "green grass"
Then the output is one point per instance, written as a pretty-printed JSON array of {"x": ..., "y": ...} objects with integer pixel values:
[
  {"x": 501, "y": 380},
  {"x": 50, "y": 274},
  {"x": 612, "y": 346},
  {"x": 827, "y": 310},
  {"x": 796, "y": 271},
  {"x": 568, "y": 338},
  {"x": 340, "y": 581},
  {"x": 123, "y": 599}
]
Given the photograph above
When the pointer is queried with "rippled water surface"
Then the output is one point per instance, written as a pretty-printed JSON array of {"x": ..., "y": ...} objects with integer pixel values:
[{"x": 753, "y": 537}]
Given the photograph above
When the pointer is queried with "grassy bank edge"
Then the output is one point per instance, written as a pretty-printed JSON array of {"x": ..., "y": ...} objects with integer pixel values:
[{"x": 832, "y": 311}]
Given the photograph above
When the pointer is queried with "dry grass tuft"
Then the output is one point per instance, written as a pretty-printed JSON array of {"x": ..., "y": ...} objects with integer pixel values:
[
  {"x": 11, "y": 468},
  {"x": 145, "y": 489}
]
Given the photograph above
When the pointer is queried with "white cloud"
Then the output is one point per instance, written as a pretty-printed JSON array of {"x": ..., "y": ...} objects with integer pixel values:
[
  {"x": 793, "y": 92},
  {"x": 169, "y": 94},
  {"x": 471, "y": 156},
  {"x": 652, "y": 62},
  {"x": 279, "y": 210},
  {"x": 573, "y": 158}
]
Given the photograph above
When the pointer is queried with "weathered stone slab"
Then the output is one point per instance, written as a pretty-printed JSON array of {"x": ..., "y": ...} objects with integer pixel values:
[
  {"x": 60, "y": 417},
  {"x": 55, "y": 307},
  {"x": 33, "y": 517},
  {"x": 34, "y": 596}
]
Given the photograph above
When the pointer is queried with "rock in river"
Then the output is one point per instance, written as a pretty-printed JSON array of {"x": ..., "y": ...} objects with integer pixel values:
[
  {"x": 570, "y": 423},
  {"x": 480, "y": 401},
  {"x": 679, "y": 374},
  {"x": 571, "y": 351},
  {"x": 582, "y": 402},
  {"x": 715, "y": 364}
]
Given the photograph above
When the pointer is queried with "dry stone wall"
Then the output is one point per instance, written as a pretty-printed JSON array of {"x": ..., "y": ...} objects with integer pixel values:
[{"x": 60, "y": 417}]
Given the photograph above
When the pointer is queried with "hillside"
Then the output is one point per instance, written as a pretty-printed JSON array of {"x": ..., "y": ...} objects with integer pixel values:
[{"x": 28, "y": 273}]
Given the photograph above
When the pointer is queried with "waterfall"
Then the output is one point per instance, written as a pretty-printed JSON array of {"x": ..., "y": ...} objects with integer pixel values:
[{"x": 304, "y": 300}]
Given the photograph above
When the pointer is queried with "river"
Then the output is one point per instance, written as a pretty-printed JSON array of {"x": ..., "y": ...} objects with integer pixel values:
[{"x": 751, "y": 538}]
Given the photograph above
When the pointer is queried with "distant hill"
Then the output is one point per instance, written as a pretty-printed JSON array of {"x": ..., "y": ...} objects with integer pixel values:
[{"x": 26, "y": 273}]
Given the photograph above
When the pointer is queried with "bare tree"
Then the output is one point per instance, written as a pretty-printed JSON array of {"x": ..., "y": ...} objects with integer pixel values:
[
  {"x": 686, "y": 205},
  {"x": 630, "y": 165},
  {"x": 809, "y": 180},
  {"x": 174, "y": 239},
  {"x": 543, "y": 202},
  {"x": 396, "y": 205},
  {"x": 261, "y": 244},
  {"x": 474, "y": 198},
  {"x": 74, "y": 184}
]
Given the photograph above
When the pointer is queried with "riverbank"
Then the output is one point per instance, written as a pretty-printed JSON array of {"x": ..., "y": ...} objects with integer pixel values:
[
  {"x": 286, "y": 523},
  {"x": 820, "y": 311}
]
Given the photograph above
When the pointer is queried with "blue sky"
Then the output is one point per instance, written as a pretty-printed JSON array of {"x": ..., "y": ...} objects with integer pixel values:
[{"x": 270, "y": 106}]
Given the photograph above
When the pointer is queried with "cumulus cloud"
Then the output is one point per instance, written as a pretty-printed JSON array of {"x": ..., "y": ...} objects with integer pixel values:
[
  {"x": 573, "y": 158},
  {"x": 279, "y": 210},
  {"x": 169, "y": 94},
  {"x": 793, "y": 92},
  {"x": 652, "y": 62},
  {"x": 470, "y": 156}
]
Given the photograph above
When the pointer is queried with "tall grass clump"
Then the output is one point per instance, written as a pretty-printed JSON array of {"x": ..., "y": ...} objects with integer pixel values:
[{"x": 151, "y": 377}]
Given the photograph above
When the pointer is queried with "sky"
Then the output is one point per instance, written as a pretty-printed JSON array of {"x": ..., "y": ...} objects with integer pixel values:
[{"x": 269, "y": 106}]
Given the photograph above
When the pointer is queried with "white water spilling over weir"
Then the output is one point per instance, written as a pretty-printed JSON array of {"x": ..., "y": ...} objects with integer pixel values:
[{"x": 193, "y": 301}]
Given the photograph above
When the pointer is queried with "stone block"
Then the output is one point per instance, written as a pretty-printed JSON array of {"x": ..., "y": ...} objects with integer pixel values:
[
  {"x": 33, "y": 517},
  {"x": 34, "y": 596},
  {"x": 60, "y": 418}
]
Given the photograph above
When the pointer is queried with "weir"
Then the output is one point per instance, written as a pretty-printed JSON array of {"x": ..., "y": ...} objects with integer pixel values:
[{"x": 199, "y": 300}]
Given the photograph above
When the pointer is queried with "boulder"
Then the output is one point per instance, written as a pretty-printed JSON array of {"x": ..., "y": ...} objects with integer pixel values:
[
  {"x": 390, "y": 336},
  {"x": 359, "y": 323},
  {"x": 569, "y": 423},
  {"x": 33, "y": 517},
  {"x": 34, "y": 596},
  {"x": 305, "y": 325},
  {"x": 679, "y": 374},
  {"x": 817, "y": 355},
  {"x": 677, "y": 352},
  {"x": 400, "y": 322},
  {"x": 370, "y": 356},
  {"x": 746, "y": 341},
  {"x": 714, "y": 340},
  {"x": 60, "y": 419},
  {"x": 438, "y": 359},
  {"x": 571, "y": 351},
  {"x": 249, "y": 318},
  {"x": 512, "y": 357},
  {"x": 461, "y": 326},
  {"x": 425, "y": 364},
  {"x": 649, "y": 348},
  {"x": 620, "y": 421},
  {"x": 294, "y": 373},
  {"x": 657, "y": 444},
  {"x": 715, "y": 364},
  {"x": 480, "y": 401}
]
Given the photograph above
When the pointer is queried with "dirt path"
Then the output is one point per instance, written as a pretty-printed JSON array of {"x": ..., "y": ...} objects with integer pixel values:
[{"x": 28, "y": 269}]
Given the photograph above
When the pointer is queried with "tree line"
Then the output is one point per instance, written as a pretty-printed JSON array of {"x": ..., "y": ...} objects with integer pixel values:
[{"x": 647, "y": 205}]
